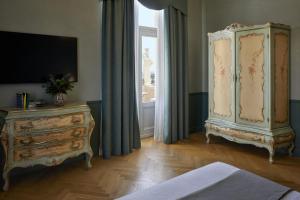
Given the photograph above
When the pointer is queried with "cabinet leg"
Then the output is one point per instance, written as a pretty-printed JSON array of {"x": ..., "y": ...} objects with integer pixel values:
[
  {"x": 291, "y": 148},
  {"x": 5, "y": 176},
  {"x": 271, "y": 155},
  {"x": 207, "y": 138},
  {"x": 88, "y": 158}
]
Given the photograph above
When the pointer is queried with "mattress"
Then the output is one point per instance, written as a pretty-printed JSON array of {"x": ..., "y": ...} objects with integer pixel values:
[{"x": 191, "y": 182}]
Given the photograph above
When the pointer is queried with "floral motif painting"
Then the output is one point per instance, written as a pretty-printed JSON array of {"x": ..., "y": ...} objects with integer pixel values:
[
  {"x": 251, "y": 60},
  {"x": 222, "y": 59}
]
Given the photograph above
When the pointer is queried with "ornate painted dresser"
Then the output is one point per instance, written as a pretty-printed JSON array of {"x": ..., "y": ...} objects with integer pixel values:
[
  {"x": 45, "y": 136},
  {"x": 249, "y": 86}
]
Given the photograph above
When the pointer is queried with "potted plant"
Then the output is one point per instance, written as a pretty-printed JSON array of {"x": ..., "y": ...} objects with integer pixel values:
[{"x": 58, "y": 86}]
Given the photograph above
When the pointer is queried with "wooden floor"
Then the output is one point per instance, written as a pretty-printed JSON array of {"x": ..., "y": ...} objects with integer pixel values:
[{"x": 150, "y": 165}]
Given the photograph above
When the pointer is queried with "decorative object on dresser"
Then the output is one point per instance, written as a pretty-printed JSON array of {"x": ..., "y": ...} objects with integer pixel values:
[
  {"x": 46, "y": 136},
  {"x": 249, "y": 86},
  {"x": 23, "y": 100},
  {"x": 59, "y": 85}
]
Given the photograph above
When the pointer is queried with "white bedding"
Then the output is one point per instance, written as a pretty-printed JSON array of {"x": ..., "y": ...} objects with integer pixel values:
[{"x": 190, "y": 182}]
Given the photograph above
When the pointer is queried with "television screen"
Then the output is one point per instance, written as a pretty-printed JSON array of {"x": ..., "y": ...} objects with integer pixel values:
[{"x": 30, "y": 58}]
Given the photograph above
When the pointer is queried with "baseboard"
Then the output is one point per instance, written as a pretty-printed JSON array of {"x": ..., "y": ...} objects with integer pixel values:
[
  {"x": 198, "y": 111},
  {"x": 295, "y": 123},
  {"x": 149, "y": 130},
  {"x": 146, "y": 135}
]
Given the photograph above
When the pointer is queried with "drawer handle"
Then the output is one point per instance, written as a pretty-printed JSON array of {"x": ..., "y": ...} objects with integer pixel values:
[
  {"x": 76, "y": 133},
  {"x": 76, "y": 120},
  {"x": 29, "y": 125},
  {"x": 26, "y": 141},
  {"x": 25, "y": 155},
  {"x": 47, "y": 141},
  {"x": 75, "y": 146}
]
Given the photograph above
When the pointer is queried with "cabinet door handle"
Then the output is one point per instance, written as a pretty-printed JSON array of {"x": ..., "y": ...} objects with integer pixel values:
[
  {"x": 26, "y": 141},
  {"x": 75, "y": 146}
]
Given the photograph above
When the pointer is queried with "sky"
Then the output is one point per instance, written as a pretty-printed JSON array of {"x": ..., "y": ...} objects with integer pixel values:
[{"x": 147, "y": 17}]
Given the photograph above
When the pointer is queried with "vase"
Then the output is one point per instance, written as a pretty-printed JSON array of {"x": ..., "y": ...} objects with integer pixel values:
[{"x": 59, "y": 99}]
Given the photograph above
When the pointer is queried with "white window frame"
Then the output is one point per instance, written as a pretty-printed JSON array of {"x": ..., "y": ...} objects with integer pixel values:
[{"x": 146, "y": 32}]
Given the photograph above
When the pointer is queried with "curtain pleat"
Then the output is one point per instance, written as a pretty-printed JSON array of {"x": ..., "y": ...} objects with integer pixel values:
[
  {"x": 120, "y": 124},
  {"x": 176, "y": 109}
]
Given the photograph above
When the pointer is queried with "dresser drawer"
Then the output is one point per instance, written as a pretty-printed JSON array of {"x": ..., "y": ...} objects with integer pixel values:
[
  {"x": 29, "y": 124},
  {"x": 51, "y": 137},
  {"x": 48, "y": 151}
]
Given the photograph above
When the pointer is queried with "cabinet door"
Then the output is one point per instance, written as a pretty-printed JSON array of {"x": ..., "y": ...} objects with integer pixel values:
[
  {"x": 252, "y": 83},
  {"x": 280, "y": 39},
  {"x": 221, "y": 75}
]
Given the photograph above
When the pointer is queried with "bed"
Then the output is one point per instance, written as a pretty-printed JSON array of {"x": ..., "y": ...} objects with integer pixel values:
[{"x": 208, "y": 183}]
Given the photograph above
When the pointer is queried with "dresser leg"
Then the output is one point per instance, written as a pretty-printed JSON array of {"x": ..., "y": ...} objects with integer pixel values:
[
  {"x": 291, "y": 148},
  {"x": 5, "y": 176},
  {"x": 271, "y": 155},
  {"x": 207, "y": 138},
  {"x": 88, "y": 158}
]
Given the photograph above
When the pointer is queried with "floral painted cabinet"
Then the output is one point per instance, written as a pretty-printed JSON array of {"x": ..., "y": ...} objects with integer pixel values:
[{"x": 249, "y": 86}]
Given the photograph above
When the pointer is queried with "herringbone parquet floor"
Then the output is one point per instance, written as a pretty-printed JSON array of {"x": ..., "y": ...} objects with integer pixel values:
[{"x": 150, "y": 165}]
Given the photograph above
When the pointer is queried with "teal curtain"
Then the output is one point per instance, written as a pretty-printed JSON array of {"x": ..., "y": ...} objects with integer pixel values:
[
  {"x": 176, "y": 80},
  {"x": 119, "y": 108}
]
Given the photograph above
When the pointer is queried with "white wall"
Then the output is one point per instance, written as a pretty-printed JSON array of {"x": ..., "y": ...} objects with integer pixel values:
[{"x": 76, "y": 18}]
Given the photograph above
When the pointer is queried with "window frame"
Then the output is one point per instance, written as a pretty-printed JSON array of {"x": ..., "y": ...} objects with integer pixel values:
[{"x": 145, "y": 31}]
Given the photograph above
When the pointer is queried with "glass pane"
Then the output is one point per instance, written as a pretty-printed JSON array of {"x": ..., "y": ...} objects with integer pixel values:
[
  {"x": 148, "y": 17},
  {"x": 149, "y": 65}
]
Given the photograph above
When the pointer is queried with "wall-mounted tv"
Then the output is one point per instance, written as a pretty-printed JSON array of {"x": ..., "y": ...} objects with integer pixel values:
[{"x": 30, "y": 58}]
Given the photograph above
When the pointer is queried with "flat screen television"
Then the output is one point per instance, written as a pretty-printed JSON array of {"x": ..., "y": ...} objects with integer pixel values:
[{"x": 31, "y": 58}]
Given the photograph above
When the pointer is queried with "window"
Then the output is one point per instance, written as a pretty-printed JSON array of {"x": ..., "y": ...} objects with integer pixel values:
[
  {"x": 148, "y": 43},
  {"x": 149, "y": 63},
  {"x": 148, "y": 58}
]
